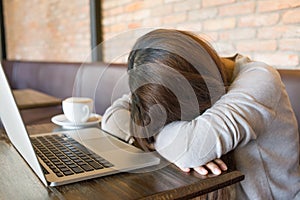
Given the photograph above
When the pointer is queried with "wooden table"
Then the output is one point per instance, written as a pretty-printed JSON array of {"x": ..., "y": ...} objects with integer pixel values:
[
  {"x": 28, "y": 98},
  {"x": 17, "y": 181}
]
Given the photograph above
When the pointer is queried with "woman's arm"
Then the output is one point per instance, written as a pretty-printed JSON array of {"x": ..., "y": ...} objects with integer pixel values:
[
  {"x": 238, "y": 117},
  {"x": 116, "y": 119}
]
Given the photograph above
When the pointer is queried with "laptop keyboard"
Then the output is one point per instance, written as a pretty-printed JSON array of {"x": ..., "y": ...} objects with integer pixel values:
[{"x": 65, "y": 156}]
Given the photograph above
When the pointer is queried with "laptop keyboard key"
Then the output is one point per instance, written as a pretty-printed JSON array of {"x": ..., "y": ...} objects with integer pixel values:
[
  {"x": 59, "y": 174},
  {"x": 67, "y": 173},
  {"x": 77, "y": 170},
  {"x": 87, "y": 168},
  {"x": 95, "y": 165}
]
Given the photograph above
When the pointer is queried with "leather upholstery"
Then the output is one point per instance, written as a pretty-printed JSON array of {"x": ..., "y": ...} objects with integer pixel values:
[
  {"x": 291, "y": 79},
  {"x": 101, "y": 81}
]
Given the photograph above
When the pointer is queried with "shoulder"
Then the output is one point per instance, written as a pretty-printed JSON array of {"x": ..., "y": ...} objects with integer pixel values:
[
  {"x": 244, "y": 65},
  {"x": 258, "y": 80}
]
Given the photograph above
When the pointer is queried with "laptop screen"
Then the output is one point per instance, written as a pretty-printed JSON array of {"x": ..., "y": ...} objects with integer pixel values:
[{"x": 15, "y": 128}]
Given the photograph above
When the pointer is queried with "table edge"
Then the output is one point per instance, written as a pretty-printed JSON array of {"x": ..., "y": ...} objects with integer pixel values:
[{"x": 193, "y": 190}]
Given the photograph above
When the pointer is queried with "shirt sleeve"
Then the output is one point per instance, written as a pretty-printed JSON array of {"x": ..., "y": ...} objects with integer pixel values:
[
  {"x": 116, "y": 119},
  {"x": 234, "y": 120}
]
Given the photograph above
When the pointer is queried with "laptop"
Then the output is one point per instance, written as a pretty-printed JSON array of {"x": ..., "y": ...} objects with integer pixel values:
[{"x": 64, "y": 157}]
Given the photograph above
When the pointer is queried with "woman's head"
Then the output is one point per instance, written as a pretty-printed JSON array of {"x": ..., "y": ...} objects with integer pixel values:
[{"x": 173, "y": 75}]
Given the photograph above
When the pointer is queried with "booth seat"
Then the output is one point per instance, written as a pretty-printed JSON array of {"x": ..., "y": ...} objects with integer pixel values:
[{"x": 101, "y": 81}]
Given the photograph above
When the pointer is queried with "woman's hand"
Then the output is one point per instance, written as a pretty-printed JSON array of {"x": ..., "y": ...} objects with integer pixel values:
[{"x": 216, "y": 167}]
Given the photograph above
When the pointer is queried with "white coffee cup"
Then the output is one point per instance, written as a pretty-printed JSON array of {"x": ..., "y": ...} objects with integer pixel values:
[{"x": 77, "y": 109}]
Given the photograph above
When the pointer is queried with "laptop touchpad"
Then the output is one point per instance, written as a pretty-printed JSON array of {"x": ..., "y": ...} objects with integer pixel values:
[{"x": 95, "y": 139}]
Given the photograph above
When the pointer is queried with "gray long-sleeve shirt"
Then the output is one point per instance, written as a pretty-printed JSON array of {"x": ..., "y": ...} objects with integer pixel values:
[{"x": 254, "y": 117}]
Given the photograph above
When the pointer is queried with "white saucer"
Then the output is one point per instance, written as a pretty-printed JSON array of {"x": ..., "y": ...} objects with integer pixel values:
[{"x": 61, "y": 120}]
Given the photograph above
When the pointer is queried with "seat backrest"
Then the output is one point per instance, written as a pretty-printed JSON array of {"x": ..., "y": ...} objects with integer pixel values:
[
  {"x": 101, "y": 81},
  {"x": 53, "y": 78},
  {"x": 291, "y": 79}
]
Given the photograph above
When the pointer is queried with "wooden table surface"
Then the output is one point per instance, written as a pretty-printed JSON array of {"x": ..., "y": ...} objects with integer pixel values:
[
  {"x": 166, "y": 181},
  {"x": 28, "y": 98}
]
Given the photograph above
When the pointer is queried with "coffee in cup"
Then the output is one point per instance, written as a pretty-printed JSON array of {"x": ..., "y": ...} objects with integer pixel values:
[{"x": 77, "y": 109}]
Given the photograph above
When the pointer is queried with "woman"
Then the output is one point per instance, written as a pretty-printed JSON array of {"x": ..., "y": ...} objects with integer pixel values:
[{"x": 192, "y": 107}]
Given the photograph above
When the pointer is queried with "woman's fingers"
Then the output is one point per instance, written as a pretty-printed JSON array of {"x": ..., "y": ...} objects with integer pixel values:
[
  {"x": 216, "y": 167},
  {"x": 221, "y": 164},
  {"x": 201, "y": 170},
  {"x": 185, "y": 169}
]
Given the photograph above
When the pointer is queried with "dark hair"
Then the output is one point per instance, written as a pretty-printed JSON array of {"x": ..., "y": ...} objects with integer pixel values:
[{"x": 170, "y": 84}]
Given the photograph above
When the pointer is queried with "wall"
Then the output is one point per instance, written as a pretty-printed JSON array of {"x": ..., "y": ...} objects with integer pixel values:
[
  {"x": 52, "y": 30},
  {"x": 265, "y": 30}
]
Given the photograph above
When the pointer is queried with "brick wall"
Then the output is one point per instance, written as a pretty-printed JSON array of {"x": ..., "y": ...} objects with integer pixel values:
[
  {"x": 52, "y": 30},
  {"x": 265, "y": 30}
]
